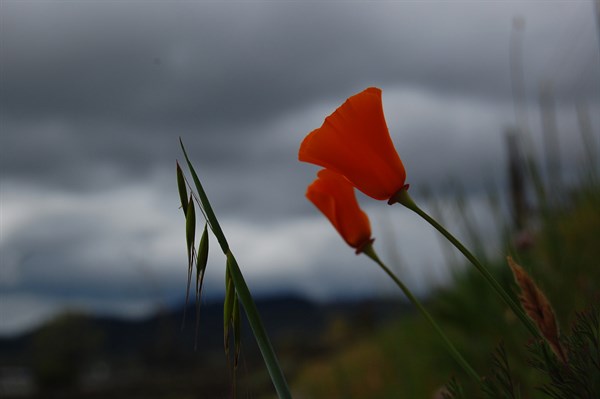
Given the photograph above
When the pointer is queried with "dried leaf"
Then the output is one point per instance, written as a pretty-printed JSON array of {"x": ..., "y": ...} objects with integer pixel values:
[{"x": 538, "y": 308}]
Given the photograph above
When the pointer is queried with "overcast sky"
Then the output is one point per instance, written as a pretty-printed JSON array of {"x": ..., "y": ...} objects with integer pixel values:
[{"x": 94, "y": 96}]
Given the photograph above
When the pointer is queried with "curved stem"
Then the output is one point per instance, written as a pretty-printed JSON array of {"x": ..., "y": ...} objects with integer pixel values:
[
  {"x": 370, "y": 252},
  {"x": 404, "y": 198}
]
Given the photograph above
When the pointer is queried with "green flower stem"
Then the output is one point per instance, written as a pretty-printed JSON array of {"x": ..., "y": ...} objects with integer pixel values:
[
  {"x": 404, "y": 198},
  {"x": 258, "y": 329},
  {"x": 370, "y": 252}
]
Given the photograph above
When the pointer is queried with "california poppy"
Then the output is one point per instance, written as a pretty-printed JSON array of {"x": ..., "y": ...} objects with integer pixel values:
[
  {"x": 354, "y": 141},
  {"x": 334, "y": 196}
]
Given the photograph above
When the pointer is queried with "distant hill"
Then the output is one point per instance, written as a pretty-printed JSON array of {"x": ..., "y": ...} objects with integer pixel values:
[{"x": 77, "y": 355}]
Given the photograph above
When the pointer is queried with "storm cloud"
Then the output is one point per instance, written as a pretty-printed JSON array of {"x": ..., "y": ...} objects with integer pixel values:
[{"x": 94, "y": 96}]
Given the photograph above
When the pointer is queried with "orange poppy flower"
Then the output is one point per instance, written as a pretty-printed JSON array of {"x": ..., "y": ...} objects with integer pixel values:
[
  {"x": 355, "y": 142},
  {"x": 334, "y": 196}
]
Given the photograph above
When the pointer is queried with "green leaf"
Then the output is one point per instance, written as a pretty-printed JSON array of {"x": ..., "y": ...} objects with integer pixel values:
[
  {"x": 182, "y": 189},
  {"x": 237, "y": 339},
  {"x": 201, "y": 263},
  {"x": 453, "y": 390},
  {"x": 190, "y": 228},
  {"x": 202, "y": 259},
  {"x": 231, "y": 321},
  {"x": 190, "y": 234},
  {"x": 207, "y": 209},
  {"x": 258, "y": 329},
  {"x": 241, "y": 290},
  {"x": 228, "y": 306},
  {"x": 237, "y": 331}
]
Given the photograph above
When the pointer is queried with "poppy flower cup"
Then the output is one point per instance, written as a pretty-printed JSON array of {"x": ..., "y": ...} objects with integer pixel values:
[
  {"x": 354, "y": 141},
  {"x": 335, "y": 198}
]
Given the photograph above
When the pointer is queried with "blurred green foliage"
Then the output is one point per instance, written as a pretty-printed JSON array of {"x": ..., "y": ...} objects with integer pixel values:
[{"x": 560, "y": 250}]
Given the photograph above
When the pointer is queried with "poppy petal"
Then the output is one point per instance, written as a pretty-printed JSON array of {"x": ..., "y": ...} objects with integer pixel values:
[
  {"x": 354, "y": 141},
  {"x": 334, "y": 196}
]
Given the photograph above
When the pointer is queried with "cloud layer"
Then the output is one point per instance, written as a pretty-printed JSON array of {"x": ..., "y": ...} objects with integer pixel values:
[{"x": 95, "y": 95}]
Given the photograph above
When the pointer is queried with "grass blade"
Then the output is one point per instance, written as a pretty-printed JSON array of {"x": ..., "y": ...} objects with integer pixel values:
[
  {"x": 258, "y": 329},
  {"x": 190, "y": 234},
  {"x": 183, "y": 196},
  {"x": 201, "y": 262},
  {"x": 207, "y": 208},
  {"x": 228, "y": 308},
  {"x": 241, "y": 289}
]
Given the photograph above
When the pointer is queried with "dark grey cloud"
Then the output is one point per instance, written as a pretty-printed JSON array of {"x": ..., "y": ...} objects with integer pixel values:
[
  {"x": 201, "y": 63},
  {"x": 210, "y": 67},
  {"x": 94, "y": 96}
]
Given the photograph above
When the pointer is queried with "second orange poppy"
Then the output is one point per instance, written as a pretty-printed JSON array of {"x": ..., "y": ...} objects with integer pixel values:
[{"x": 334, "y": 196}]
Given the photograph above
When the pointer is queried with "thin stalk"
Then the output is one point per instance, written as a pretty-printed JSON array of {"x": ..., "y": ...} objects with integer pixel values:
[
  {"x": 370, "y": 252},
  {"x": 258, "y": 329},
  {"x": 244, "y": 295},
  {"x": 404, "y": 198}
]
